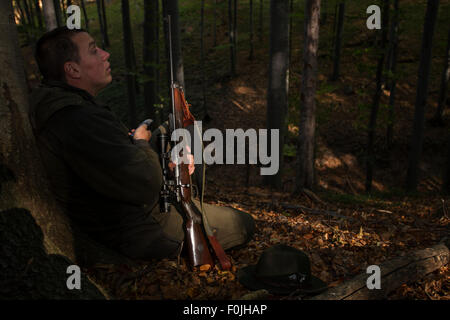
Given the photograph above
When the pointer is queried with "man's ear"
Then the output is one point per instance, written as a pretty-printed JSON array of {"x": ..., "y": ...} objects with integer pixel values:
[{"x": 72, "y": 70}]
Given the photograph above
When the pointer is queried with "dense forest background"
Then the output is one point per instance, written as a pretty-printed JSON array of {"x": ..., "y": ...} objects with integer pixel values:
[{"x": 343, "y": 220}]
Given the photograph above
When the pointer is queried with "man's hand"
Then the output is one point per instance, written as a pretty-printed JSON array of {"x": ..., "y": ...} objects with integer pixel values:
[
  {"x": 141, "y": 132},
  {"x": 191, "y": 162}
]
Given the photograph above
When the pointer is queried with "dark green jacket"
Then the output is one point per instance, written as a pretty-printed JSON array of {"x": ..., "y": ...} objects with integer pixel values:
[{"x": 104, "y": 180}]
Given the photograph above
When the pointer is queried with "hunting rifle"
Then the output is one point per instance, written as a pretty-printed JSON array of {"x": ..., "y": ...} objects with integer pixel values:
[{"x": 177, "y": 185}]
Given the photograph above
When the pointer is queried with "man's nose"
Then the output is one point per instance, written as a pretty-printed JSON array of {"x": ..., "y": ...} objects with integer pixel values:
[{"x": 105, "y": 55}]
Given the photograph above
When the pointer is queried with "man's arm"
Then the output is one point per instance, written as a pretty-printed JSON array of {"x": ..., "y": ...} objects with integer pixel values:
[{"x": 96, "y": 147}]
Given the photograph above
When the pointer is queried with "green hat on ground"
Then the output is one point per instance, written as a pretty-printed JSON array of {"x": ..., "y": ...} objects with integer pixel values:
[{"x": 281, "y": 270}]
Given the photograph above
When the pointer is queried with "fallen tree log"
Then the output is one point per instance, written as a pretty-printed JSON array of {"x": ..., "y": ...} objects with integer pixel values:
[{"x": 394, "y": 273}]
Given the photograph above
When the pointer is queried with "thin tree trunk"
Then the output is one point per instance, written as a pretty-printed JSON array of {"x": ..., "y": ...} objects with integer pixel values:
[
  {"x": 215, "y": 23},
  {"x": 202, "y": 56},
  {"x": 63, "y": 8},
  {"x": 23, "y": 19},
  {"x": 231, "y": 36},
  {"x": 100, "y": 22},
  {"x": 150, "y": 57},
  {"x": 28, "y": 13},
  {"x": 291, "y": 11},
  {"x": 393, "y": 69},
  {"x": 250, "y": 56},
  {"x": 131, "y": 68},
  {"x": 370, "y": 157},
  {"x": 260, "y": 29},
  {"x": 86, "y": 19},
  {"x": 416, "y": 142},
  {"x": 278, "y": 87},
  {"x": 235, "y": 33},
  {"x": 306, "y": 139},
  {"x": 58, "y": 12},
  {"x": 38, "y": 13},
  {"x": 444, "y": 85},
  {"x": 105, "y": 24},
  {"x": 338, "y": 42},
  {"x": 49, "y": 15}
]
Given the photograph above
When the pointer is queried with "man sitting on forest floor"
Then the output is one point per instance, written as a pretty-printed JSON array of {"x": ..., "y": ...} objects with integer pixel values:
[{"x": 107, "y": 182}]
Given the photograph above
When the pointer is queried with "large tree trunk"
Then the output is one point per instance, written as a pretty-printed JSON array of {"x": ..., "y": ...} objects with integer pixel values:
[
  {"x": 131, "y": 67},
  {"x": 277, "y": 91},
  {"x": 370, "y": 157},
  {"x": 394, "y": 273},
  {"x": 36, "y": 238},
  {"x": 416, "y": 141},
  {"x": 49, "y": 15},
  {"x": 151, "y": 46},
  {"x": 306, "y": 140}
]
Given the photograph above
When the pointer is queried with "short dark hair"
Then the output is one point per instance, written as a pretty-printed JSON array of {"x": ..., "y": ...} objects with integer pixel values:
[{"x": 54, "y": 49}]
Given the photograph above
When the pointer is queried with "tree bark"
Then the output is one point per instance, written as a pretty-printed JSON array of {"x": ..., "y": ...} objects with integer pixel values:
[
  {"x": 131, "y": 68},
  {"x": 370, "y": 157},
  {"x": 49, "y": 15},
  {"x": 306, "y": 139},
  {"x": 278, "y": 87},
  {"x": 416, "y": 142},
  {"x": 394, "y": 273}
]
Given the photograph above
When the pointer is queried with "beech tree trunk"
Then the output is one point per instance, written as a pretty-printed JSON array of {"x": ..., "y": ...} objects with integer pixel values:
[
  {"x": 307, "y": 126},
  {"x": 49, "y": 15},
  {"x": 416, "y": 142},
  {"x": 394, "y": 273},
  {"x": 277, "y": 91}
]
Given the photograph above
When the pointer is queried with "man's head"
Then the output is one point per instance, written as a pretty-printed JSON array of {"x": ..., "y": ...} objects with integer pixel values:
[{"x": 72, "y": 56}]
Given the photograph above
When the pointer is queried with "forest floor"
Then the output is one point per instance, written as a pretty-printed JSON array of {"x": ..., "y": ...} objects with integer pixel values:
[{"x": 367, "y": 229}]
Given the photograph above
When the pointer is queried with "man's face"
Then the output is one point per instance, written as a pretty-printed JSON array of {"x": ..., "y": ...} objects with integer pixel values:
[{"x": 94, "y": 68}]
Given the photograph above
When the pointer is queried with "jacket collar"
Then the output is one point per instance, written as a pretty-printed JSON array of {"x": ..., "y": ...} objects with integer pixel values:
[{"x": 61, "y": 84}]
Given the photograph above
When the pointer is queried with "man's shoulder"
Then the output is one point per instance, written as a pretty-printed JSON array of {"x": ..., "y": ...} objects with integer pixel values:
[{"x": 49, "y": 101}]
